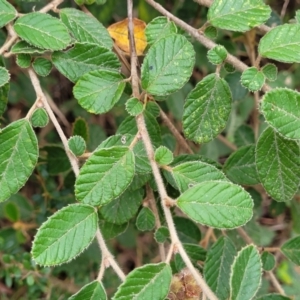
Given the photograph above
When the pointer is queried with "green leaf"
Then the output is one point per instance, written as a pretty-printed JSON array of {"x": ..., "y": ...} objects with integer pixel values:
[
  {"x": 239, "y": 15},
  {"x": 57, "y": 160},
  {"x": 151, "y": 281},
  {"x": 7, "y": 13},
  {"x": 91, "y": 291},
  {"x": 65, "y": 235},
  {"x": 98, "y": 91},
  {"x": 77, "y": 145},
  {"x": 85, "y": 28},
  {"x": 278, "y": 165},
  {"x": 11, "y": 212},
  {"x": 120, "y": 210},
  {"x": 217, "y": 264},
  {"x": 158, "y": 28},
  {"x": 195, "y": 252},
  {"x": 253, "y": 79},
  {"x": 246, "y": 274},
  {"x": 110, "y": 230},
  {"x": 134, "y": 106},
  {"x": 229, "y": 68},
  {"x": 145, "y": 220},
  {"x": 42, "y": 66},
  {"x": 162, "y": 234},
  {"x": 23, "y": 60},
  {"x": 25, "y": 48},
  {"x": 83, "y": 58},
  {"x": 217, "y": 204},
  {"x": 291, "y": 249},
  {"x": 187, "y": 230},
  {"x": 280, "y": 108},
  {"x": 163, "y": 156},
  {"x": 268, "y": 261},
  {"x": 105, "y": 175},
  {"x": 297, "y": 16},
  {"x": 217, "y": 54},
  {"x": 211, "y": 32},
  {"x": 4, "y": 76},
  {"x": 188, "y": 174},
  {"x": 273, "y": 297},
  {"x": 4, "y": 90},
  {"x": 80, "y": 127},
  {"x": 43, "y": 31},
  {"x": 244, "y": 136},
  {"x": 168, "y": 65},
  {"x": 240, "y": 166},
  {"x": 281, "y": 43},
  {"x": 270, "y": 71},
  {"x": 39, "y": 118},
  {"x": 207, "y": 109},
  {"x": 18, "y": 156}
]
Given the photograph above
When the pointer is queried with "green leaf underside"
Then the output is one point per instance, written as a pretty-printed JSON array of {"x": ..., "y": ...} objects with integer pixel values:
[
  {"x": 91, "y": 291},
  {"x": 187, "y": 230},
  {"x": 268, "y": 261},
  {"x": 217, "y": 204},
  {"x": 43, "y": 31},
  {"x": 4, "y": 90},
  {"x": 168, "y": 65},
  {"x": 191, "y": 173},
  {"x": 281, "y": 110},
  {"x": 217, "y": 264},
  {"x": 77, "y": 145},
  {"x": 105, "y": 175},
  {"x": 98, "y": 91},
  {"x": 217, "y": 55},
  {"x": 7, "y": 13},
  {"x": 85, "y": 28},
  {"x": 239, "y": 15},
  {"x": 24, "y": 47},
  {"x": 163, "y": 155},
  {"x": 270, "y": 71},
  {"x": 65, "y": 235},
  {"x": 281, "y": 43},
  {"x": 23, "y": 60},
  {"x": 273, "y": 297},
  {"x": 211, "y": 32},
  {"x": 244, "y": 136},
  {"x": 4, "y": 76},
  {"x": 291, "y": 249},
  {"x": 39, "y": 118},
  {"x": 253, "y": 79},
  {"x": 145, "y": 220},
  {"x": 278, "y": 165},
  {"x": 122, "y": 209},
  {"x": 42, "y": 66},
  {"x": 134, "y": 106},
  {"x": 245, "y": 274},
  {"x": 151, "y": 281},
  {"x": 158, "y": 28},
  {"x": 18, "y": 156},
  {"x": 240, "y": 166},
  {"x": 207, "y": 109},
  {"x": 83, "y": 58}
]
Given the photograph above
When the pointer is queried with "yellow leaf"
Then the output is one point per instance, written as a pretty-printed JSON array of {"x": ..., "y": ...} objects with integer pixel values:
[{"x": 119, "y": 32}]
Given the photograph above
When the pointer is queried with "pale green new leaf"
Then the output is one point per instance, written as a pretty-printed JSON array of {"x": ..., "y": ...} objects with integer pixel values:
[
  {"x": 168, "y": 65},
  {"x": 4, "y": 76},
  {"x": 18, "y": 156},
  {"x": 77, "y": 144},
  {"x": 158, "y": 28},
  {"x": 7, "y": 13},
  {"x": 98, "y": 91},
  {"x": 151, "y": 281},
  {"x": 241, "y": 15},
  {"x": 145, "y": 220},
  {"x": 253, "y": 79},
  {"x": 65, "y": 235},
  {"x": 42, "y": 66},
  {"x": 291, "y": 249},
  {"x": 246, "y": 274},
  {"x": 217, "y": 54},
  {"x": 134, "y": 106},
  {"x": 83, "y": 58},
  {"x": 85, "y": 28},
  {"x": 43, "y": 31},
  {"x": 217, "y": 204},
  {"x": 218, "y": 261},
  {"x": 207, "y": 109},
  {"x": 105, "y": 175},
  {"x": 163, "y": 155},
  {"x": 120, "y": 210},
  {"x": 191, "y": 173},
  {"x": 281, "y": 43},
  {"x": 39, "y": 118},
  {"x": 23, "y": 60},
  {"x": 91, "y": 291},
  {"x": 281, "y": 110},
  {"x": 278, "y": 165},
  {"x": 270, "y": 71},
  {"x": 240, "y": 166}
]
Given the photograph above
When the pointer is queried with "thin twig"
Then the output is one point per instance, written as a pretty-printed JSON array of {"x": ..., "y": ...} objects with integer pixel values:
[
  {"x": 276, "y": 283},
  {"x": 226, "y": 142},
  {"x": 284, "y": 7},
  {"x": 255, "y": 115},
  {"x": 170, "y": 253},
  {"x": 51, "y": 6}
]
